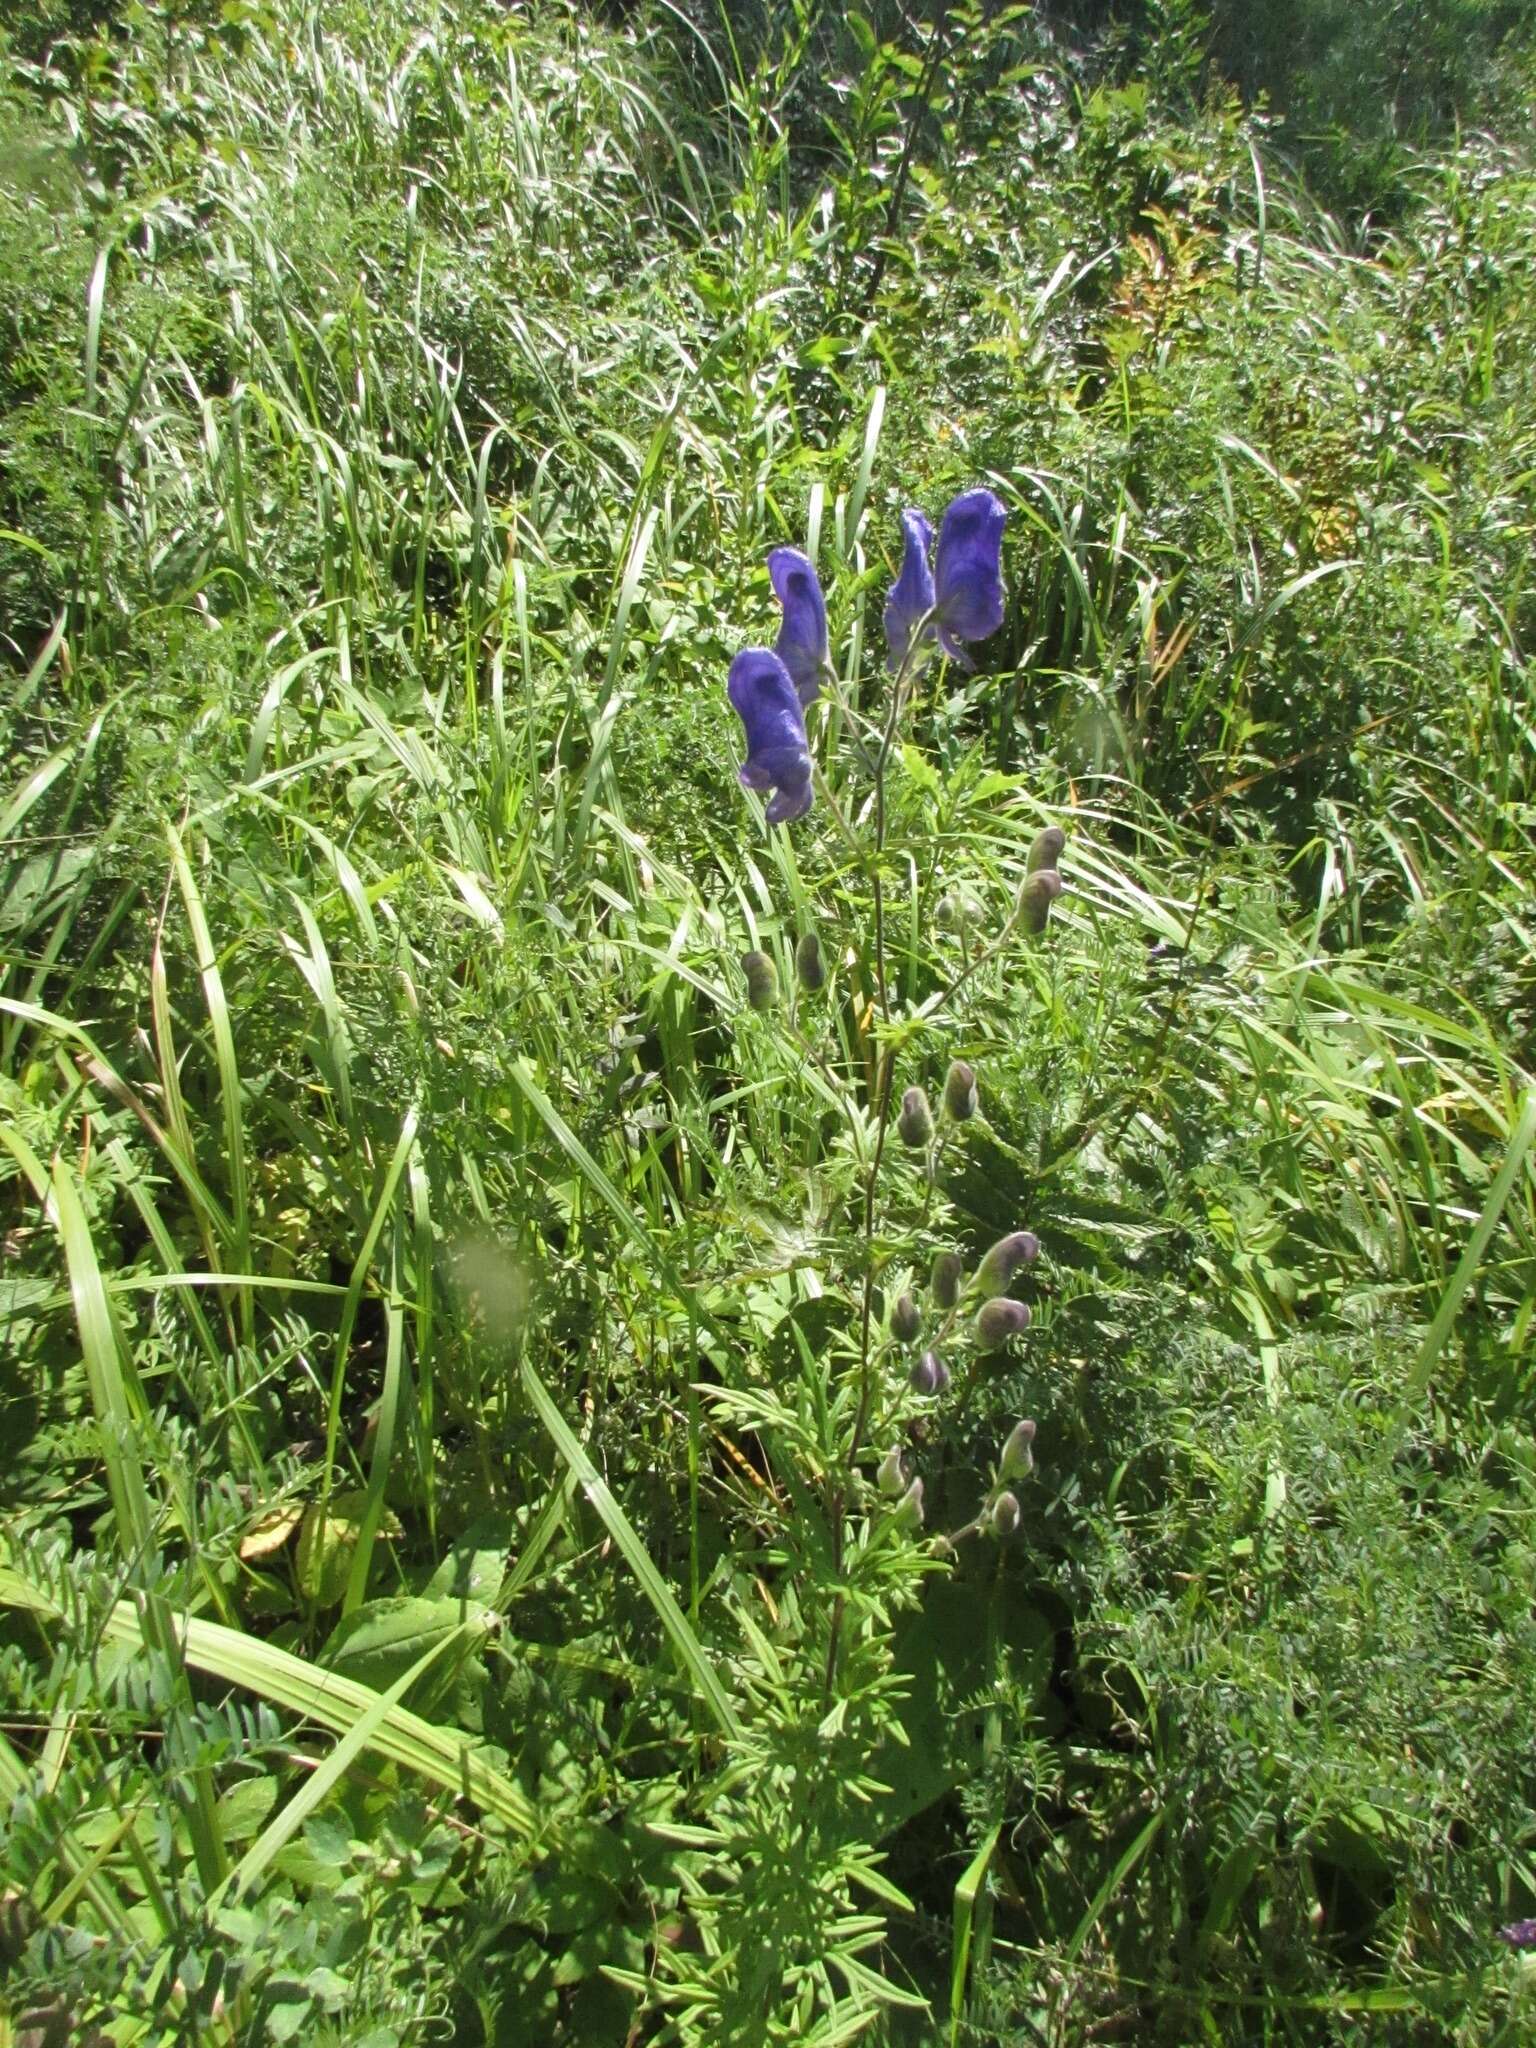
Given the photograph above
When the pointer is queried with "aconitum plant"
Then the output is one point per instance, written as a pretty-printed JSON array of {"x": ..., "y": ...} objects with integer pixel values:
[
  {"x": 947, "y": 597},
  {"x": 958, "y": 599},
  {"x": 910, "y": 1329}
]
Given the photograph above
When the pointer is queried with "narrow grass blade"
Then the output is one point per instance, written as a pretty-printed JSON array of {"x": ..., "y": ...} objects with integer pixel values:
[
  {"x": 281, "y": 1829},
  {"x": 354, "y": 1295},
  {"x": 966, "y": 1890},
  {"x": 226, "y": 1062},
  {"x": 115, "y": 1396},
  {"x": 1521, "y": 1139},
  {"x": 622, "y": 1530}
]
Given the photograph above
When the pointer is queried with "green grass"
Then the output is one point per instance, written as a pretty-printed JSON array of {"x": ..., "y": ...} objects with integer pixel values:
[{"x": 445, "y": 1586}]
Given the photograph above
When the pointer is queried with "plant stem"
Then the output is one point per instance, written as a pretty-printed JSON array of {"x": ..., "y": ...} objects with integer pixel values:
[{"x": 884, "y": 1076}]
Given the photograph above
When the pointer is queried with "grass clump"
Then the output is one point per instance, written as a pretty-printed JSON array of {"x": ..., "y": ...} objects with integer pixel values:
[{"x": 517, "y": 1525}]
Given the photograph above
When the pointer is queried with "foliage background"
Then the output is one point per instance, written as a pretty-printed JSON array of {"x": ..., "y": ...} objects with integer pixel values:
[{"x": 428, "y": 1288}]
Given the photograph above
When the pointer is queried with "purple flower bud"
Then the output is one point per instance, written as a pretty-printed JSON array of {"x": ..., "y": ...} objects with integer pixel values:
[
  {"x": 1018, "y": 1248},
  {"x": 915, "y": 1123},
  {"x": 1045, "y": 849},
  {"x": 945, "y": 1280},
  {"x": 891, "y": 1478},
  {"x": 808, "y": 963},
  {"x": 999, "y": 1321},
  {"x": 1519, "y": 1934},
  {"x": 909, "y": 1509},
  {"x": 960, "y": 1091},
  {"x": 1037, "y": 892},
  {"x": 1005, "y": 1516},
  {"x": 906, "y": 1320},
  {"x": 802, "y": 641},
  {"x": 930, "y": 1375},
  {"x": 778, "y": 753},
  {"x": 762, "y": 980},
  {"x": 1017, "y": 1458}
]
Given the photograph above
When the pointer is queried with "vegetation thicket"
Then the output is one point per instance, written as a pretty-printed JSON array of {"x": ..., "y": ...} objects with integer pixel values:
[{"x": 626, "y": 1423}]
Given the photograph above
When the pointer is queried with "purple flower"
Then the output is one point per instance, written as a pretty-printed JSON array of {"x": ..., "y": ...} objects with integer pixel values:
[
  {"x": 911, "y": 595},
  {"x": 802, "y": 641},
  {"x": 968, "y": 571},
  {"x": 778, "y": 757},
  {"x": 964, "y": 590}
]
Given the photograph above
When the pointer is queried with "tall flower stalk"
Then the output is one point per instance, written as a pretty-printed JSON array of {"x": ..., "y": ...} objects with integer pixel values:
[{"x": 943, "y": 599}]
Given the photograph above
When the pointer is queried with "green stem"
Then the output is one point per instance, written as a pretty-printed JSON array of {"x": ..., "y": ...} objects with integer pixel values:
[{"x": 883, "y": 1090}]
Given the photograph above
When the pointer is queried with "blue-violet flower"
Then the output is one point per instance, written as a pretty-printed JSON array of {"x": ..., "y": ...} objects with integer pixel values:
[
  {"x": 778, "y": 756},
  {"x": 964, "y": 589},
  {"x": 802, "y": 641},
  {"x": 911, "y": 595}
]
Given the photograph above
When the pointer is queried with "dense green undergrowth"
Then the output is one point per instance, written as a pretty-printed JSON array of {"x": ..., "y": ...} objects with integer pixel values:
[{"x": 447, "y": 1588}]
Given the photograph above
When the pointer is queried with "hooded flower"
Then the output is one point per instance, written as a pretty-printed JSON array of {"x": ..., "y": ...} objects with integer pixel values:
[
  {"x": 911, "y": 595},
  {"x": 778, "y": 757},
  {"x": 948, "y": 1273},
  {"x": 960, "y": 1091},
  {"x": 809, "y": 965},
  {"x": 964, "y": 589},
  {"x": 930, "y": 1375},
  {"x": 802, "y": 641},
  {"x": 1017, "y": 1458},
  {"x": 968, "y": 571},
  {"x": 1045, "y": 850},
  {"x": 1037, "y": 892}
]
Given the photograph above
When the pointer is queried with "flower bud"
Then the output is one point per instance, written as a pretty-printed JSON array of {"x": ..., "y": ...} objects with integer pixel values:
[
  {"x": 1016, "y": 1460},
  {"x": 891, "y": 1478},
  {"x": 1037, "y": 892},
  {"x": 906, "y": 1320},
  {"x": 909, "y": 1509},
  {"x": 1019, "y": 1248},
  {"x": 948, "y": 1272},
  {"x": 960, "y": 1091},
  {"x": 762, "y": 980},
  {"x": 915, "y": 1123},
  {"x": 1005, "y": 1516},
  {"x": 930, "y": 1375},
  {"x": 998, "y": 1322},
  {"x": 809, "y": 964},
  {"x": 1045, "y": 850}
]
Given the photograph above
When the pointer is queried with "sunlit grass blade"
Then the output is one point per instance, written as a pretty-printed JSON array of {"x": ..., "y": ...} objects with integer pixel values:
[
  {"x": 1515, "y": 1161},
  {"x": 443, "y": 1756}
]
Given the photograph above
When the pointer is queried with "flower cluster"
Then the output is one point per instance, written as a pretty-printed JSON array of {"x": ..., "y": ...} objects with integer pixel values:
[
  {"x": 998, "y": 1318},
  {"x": 946, "y": 596},
  {"x": 957, "y": 597}
]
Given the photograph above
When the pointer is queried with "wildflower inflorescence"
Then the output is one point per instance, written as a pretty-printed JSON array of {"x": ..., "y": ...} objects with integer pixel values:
[{"x": 945, "y": 598}]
